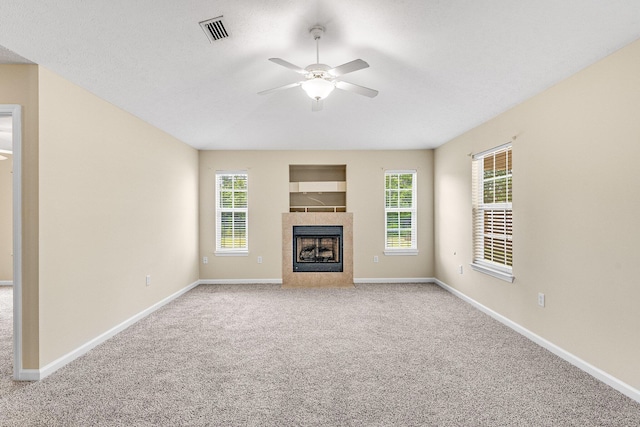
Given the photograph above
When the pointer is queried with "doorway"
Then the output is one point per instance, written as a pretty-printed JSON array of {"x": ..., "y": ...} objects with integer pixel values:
[{"x": 11, "y": 151}]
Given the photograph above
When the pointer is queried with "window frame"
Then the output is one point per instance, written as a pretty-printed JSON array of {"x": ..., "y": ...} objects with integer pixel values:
[
  {"x": 220, "y": 210},
  {"x": 413, "y": 209},
  {"x": 501, "y": 215}
]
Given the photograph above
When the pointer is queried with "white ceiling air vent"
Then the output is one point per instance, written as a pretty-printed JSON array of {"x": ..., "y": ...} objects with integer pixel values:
[{"x": 214, "y": 29}]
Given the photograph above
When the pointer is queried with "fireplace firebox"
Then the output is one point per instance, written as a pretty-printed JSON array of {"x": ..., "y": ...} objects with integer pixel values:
[{"x": 317, "y": 248}]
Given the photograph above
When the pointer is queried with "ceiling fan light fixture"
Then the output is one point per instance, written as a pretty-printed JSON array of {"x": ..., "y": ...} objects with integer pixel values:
[
  {"x": 321, "y": 79},
  {"x": 318, "y": 88}
]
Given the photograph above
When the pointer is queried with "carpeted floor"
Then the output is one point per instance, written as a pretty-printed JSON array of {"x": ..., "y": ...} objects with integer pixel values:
[
  {"x": 6, "y": 342},
  {"x": 375, "y": 355}
]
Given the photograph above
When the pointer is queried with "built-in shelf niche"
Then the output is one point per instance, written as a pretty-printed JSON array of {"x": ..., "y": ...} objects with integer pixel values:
[{"x": 317, "y": 188}]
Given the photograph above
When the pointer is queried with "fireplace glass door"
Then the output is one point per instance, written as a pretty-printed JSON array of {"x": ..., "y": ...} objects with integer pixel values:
[{"x": 317, "y": 249}]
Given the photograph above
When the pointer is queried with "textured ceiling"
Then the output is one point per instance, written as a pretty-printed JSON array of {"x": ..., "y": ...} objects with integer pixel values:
[
  {"x": 9, "y": 57},
  {"x": 442, "y": 67}
]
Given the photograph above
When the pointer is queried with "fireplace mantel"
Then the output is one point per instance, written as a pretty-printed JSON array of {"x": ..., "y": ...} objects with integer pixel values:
[{"x": 291, "y": 279}]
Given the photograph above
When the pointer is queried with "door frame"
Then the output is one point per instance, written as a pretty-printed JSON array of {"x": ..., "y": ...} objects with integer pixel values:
[{"x": 15, "y": 111}]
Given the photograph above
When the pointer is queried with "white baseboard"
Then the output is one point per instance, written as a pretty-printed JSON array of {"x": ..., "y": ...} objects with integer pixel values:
[
  {"x": 240, "y": 281},
  {"x": 29, "y": 375},
  {"x": 6, "y": 282},
  {"x": 597, "y": 373},
  {"x": 279, "y": 281},
  {"x": 395, "y": 280},
  {"x": 38, "y": 374}
]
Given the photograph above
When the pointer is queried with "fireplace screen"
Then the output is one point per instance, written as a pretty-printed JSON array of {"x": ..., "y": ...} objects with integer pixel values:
[{"x": 317, "y": 248}]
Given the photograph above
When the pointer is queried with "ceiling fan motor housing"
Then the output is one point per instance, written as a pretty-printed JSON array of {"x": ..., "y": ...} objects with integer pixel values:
[
  {"x": 318, "y": 71},
  {"x": 316, "y": 31}
]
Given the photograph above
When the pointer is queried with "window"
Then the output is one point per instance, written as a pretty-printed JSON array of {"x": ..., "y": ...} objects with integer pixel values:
[
  {"x": 400, "y": 209},
  {"x": 492, "y": 212},
  {"x": 231, "y": 213}
]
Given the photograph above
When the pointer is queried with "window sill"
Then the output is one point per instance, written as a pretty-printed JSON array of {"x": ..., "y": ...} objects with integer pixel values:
[
  {"x": 231, "y": 253},
  {"x": 395, "y": 252},
  {"x": 507, "y": 277}
]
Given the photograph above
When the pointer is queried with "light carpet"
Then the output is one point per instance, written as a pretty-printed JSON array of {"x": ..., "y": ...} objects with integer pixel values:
[
  {"x": 6, "y": 342},
  {"x": 374, "y": 355}
]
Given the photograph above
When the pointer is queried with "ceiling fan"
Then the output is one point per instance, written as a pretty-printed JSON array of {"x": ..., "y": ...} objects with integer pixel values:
[{"x": 320, "y": 79}]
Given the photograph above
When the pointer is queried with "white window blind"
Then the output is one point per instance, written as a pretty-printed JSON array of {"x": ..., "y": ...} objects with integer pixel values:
[
  {"x": 231, "y": 212},
  {"x": 400, "y": 212},
  {"x": 492, "y": 173}
]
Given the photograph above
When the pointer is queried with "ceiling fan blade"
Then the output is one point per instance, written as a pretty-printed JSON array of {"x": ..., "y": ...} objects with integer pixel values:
[
  {"x": 288, "y": 65},
  {"x": 316, "y": 105},
  {"x": 361, "y": 90},
  {"x": 349, "y": 67},
  {"x": 275, "y": 89}
]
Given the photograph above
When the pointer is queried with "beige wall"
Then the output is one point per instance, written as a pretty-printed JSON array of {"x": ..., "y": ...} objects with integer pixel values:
[
  {"x": 6, "y": 218},
  {"x": 118, "y": 201},
  {"x": 269, "y": 198},
  {"x": 109, "y": 199},
  {"x": 576, "y": 206},
  {"x": 19, "y": 85}
]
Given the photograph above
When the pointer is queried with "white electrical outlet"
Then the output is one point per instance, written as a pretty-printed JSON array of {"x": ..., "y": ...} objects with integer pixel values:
[
  {"x": 205, "y": 260},
  {"x": 541, "y": 299},
  {"x": 460, "y": 270},
  {"x": 259, "y": 260},
  {"x": 375, "y": 258},
  {"x": 148, "y": 280}
]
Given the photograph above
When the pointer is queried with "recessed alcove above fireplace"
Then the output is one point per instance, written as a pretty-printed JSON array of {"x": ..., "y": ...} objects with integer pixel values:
[{"x": 317, "y": 188}]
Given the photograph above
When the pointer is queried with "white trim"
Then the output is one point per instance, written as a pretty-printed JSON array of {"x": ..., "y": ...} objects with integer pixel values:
[
  {"x": 413, "y": 210},
  {"x": 240, "y": 281},
  {"x": 597, "y": 373},
  {"x": 30, "y": 375},
  {"x": 491, "y": 150},
  {"x": 397, "y": 252},
  {"x": 507, "y": 277},
  {"x": 395, "y": 280},
  {"x": 235, "y": 251},
  {"x": 16, "y": 145},
  {"x": 231, "y": 253},
  {"x": 6, "y": 282},
  {"x": 400, "y": 171},
  {"x": 38, "y": 374},
  {"x": 232, "y": 172},
  {"x": 279, "y": 281},
  {"x": 484, "y": 228}
]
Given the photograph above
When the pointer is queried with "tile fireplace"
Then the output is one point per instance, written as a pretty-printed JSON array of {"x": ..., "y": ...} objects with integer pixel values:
[{"x": 317, "y": 249}]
